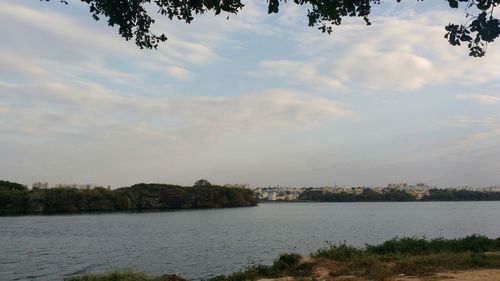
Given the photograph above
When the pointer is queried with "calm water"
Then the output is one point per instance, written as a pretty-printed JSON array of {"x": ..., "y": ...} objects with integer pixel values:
[{"x": 204, "y": 243}]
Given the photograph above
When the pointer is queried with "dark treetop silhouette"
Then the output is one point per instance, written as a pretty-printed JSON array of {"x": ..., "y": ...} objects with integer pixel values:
[
  {"x": 134, "y": 22},
  {"x": 202, "y": 182},
  {"x": 16, "y": 199}
]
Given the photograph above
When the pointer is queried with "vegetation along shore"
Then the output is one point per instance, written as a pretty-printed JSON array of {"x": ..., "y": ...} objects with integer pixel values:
[
  {"x": 394, "y": 195},
  {"x": 399, "y": 259},
  {"x": 16, "y": 199}
]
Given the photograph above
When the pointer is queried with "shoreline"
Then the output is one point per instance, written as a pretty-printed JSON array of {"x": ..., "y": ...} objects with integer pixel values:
[
  {"x": 131, "y": 212},
  {"x": 398, "y": 259},
  {"x": 380, "y": 201},
  {"x": 37, "y": 214}
]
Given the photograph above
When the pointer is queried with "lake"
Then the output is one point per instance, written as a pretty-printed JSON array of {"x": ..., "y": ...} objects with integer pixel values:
[{"x": 203, "y": 243}]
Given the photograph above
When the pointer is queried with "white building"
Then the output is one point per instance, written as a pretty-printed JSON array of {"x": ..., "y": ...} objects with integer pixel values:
[
  {"x": 74, "y": 185},
  {"x": 272, "y": 196}
]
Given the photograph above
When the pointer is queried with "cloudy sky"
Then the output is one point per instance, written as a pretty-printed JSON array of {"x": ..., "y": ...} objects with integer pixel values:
[{"x": 259, "y": 99}]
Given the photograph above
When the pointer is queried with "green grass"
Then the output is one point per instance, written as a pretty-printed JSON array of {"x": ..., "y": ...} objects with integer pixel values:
[
  {"x": 339, "y": 252},
  {"x": 124, "y": 275},
  {"x": 426, "y": 264},
  {"x": 412, "y": 256},
  {"x": 418, "y": 246},
  {"x": 285, "y": 265},
  {"x": 366, "y": 266}
]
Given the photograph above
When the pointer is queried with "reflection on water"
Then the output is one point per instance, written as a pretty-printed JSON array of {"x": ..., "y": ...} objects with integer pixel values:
[{"x": 204, "y": 243}]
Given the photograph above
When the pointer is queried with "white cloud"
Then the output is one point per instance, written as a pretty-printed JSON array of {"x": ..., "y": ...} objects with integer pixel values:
[
  {"x": 179, "y": 73},
  {"x": 477, "y": 136},
  {"x": 394, "y": 54},
  {"x": 78, "y": 127},
  {"x": 52, "y": 25},
  {"x": 61, "y": 47},
  {"x": 470, "y": 122},
  {"x": 393, "y": 71},
  {"x": 481, "y": 99},
  {"x": 274, "y": 109},
  {"x": 179, "y": 50},
  {"x": 80, "y": 95},
  {"x": 74, "y": 96},
  {"x": 294, "y": 71}
]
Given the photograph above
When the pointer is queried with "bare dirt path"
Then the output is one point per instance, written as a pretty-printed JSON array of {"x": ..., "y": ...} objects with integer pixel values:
[
  {"x": 469, "y": 275},
  {"x": 330, "y": 270}
]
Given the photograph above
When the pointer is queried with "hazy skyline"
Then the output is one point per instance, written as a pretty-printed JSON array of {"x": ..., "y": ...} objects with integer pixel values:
[{"x": 259, "y": 99}]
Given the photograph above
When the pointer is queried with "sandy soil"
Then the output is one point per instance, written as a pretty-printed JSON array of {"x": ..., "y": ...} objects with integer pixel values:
[
  {"x": 469, "y": 275},
  {"x": 322, "y": 273}
]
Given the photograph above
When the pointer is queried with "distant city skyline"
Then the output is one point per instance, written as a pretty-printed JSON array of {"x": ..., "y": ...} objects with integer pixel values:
[
  {"x": 46, "y": 184},
  {"x": 258, "y": 99}
]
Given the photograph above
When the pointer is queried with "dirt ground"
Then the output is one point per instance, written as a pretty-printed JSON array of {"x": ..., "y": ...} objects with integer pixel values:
[
  {"x": 469, "y": 275},
  {"x": 322, "y": 274}
]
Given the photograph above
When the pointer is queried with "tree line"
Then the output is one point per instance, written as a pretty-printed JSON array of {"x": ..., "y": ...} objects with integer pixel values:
[
  {"x": 395, "y": 195},
  {"x": 17, "y": 199},
  {"x": 461, "y": 195},
  {"x": 367, "y": 195}
]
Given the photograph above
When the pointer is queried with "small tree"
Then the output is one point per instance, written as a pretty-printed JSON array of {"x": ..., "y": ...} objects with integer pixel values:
[{"x": 201, "y": 183}]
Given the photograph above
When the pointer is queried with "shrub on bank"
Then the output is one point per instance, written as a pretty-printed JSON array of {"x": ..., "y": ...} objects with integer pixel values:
[
  {"x": 285, "y": 265},
  {"x": 419, "y": 246},
  {"x": 340, "y": 252},
  {"x": 126, "y": 275}
]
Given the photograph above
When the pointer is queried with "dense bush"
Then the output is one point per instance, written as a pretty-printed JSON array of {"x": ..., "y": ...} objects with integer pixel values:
[
  {"x": 461, "y": 195},
  {"x": 126, "y": 275},
  {"x": 285, "y": 265},
  {"x": 367, "y": 195},
  {"x": 115, "y": 276},
  {"x": 394, "y": 195},
  {"x": 418, "y": 246},
  {"x": 340, "y": 252}
]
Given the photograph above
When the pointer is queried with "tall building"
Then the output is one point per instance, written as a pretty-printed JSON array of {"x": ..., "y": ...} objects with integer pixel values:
[{"x": 40, "y": 184}]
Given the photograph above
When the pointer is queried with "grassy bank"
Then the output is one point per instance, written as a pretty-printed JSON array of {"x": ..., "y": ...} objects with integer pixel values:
[
  {"x": 383, "y": 262},
  {"x": 125, "y": 275}
]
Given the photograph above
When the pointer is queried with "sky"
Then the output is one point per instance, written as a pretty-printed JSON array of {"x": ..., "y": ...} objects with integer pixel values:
[{"x": 258, "y": 99}]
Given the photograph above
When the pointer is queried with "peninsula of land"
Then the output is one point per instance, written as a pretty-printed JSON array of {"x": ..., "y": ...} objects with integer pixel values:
[{"x": 16, "y": 199}]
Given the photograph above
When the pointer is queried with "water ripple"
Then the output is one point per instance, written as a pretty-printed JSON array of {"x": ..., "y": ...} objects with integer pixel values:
[{"x": 204, "y": 243}]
